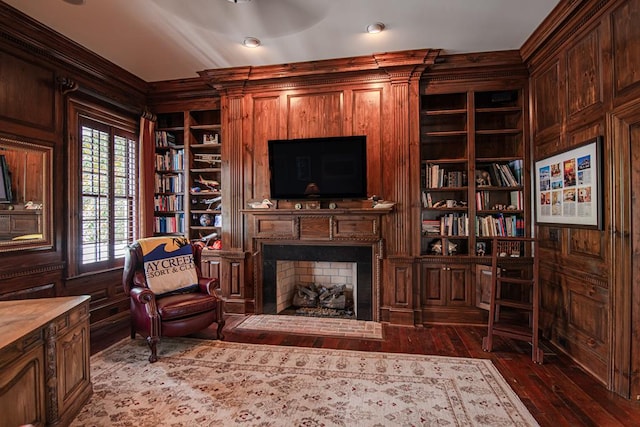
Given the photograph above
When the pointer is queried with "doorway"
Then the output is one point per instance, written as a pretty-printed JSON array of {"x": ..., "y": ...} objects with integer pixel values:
[{"x": 625, "y": 242}]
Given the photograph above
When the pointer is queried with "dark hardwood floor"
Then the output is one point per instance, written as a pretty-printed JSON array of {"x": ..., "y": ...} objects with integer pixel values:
[{"x": 558, "y": 392}]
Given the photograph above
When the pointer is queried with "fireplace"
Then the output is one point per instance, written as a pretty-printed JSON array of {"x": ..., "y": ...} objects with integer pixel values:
[{"x": 361, "y": 257}]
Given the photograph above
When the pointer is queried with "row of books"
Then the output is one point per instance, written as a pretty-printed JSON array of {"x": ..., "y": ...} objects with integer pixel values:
[
  {"x": 504, "y": 174},
  {"x": 436, "y": 177},
  {"x": 483, "y": 201},
  {"x": 169, "y": 224},
  {"x": 168, "y": 203},
  {"x": 169, "y": 183},
  {"x": 452, "y": 224},
  {"x": 499, "y": 225},
  {"x": 170, "y": 161},
  {"x": 165, "y": 139}
]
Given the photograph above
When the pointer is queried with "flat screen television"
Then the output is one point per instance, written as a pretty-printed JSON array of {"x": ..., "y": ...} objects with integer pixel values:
[{"x": 325, "y": 168}]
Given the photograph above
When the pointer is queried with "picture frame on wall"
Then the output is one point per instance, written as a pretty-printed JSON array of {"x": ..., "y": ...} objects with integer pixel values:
[{"x": 568, "y": 187}]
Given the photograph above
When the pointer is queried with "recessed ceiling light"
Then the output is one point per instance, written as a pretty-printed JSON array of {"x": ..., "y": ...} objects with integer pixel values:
[
  {"x": 250, "y": 41},
  {"x": 375, "y": 28},
  {"x": 239, "y": 1}
]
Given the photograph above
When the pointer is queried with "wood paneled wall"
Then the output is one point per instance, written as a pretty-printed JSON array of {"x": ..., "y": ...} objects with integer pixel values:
[
  {"x": 40, "y": 70},
  {"x": 376, "y": 96},
  {"x": 584, "y": 82}
]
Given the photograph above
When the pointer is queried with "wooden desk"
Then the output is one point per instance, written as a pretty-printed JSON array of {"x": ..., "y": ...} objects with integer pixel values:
[{"x": 44, "y": 360}]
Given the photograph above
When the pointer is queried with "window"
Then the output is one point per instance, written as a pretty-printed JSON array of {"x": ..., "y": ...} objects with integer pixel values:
[
  {"x": 103, "y": 191},
  {"x": 108, "y": 214}
]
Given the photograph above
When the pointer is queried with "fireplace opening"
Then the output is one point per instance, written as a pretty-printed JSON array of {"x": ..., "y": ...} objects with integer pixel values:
[
  {"x": 336, "y": 280},
  {"x": 316, "y": 288}
]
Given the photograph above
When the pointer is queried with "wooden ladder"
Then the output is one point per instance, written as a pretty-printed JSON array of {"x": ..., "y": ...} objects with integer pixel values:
[{"x": 514, "y": 295}]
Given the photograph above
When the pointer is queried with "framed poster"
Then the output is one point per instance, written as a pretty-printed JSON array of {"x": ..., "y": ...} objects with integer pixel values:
[{"x": 568, "y": 187}]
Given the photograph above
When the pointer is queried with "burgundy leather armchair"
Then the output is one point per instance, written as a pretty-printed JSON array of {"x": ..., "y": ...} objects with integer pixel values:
[{"x": 175, "y": 313}]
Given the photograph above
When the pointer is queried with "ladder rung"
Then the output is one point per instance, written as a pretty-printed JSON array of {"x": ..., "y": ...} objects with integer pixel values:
[
  {"x": 515, "y": 304},
  {"x": 515, "y": 280},
  {"x": 513, "y": 331}
]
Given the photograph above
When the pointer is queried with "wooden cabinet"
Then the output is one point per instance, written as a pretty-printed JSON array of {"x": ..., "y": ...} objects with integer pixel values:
[
  {"x": 445, "y": 284},
  {"x": 473, "y": 186},
  {"x": 44, "y": 360}
]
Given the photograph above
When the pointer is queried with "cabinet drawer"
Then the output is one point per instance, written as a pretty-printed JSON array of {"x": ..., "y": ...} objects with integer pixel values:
[
  {"x": 275, "y": 226},
  {"x": 314, "y": 228},
  {"x": 358, "y": 227}
]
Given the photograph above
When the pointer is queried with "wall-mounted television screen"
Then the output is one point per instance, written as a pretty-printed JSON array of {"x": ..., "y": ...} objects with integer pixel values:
[{"x": 327, "y": 168}]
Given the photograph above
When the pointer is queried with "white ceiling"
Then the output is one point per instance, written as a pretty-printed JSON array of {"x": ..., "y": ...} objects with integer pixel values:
[{"x": 171, "y": 39}]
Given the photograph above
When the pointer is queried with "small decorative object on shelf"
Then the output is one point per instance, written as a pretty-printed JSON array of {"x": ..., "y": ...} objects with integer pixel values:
[
  {"x": 210, "y": 138},
  {"x": 451, "y": 247},
  {"x": 264, "y": 204},
  {"x": 206, "y": 220},
  {"x": 378, "y": 203}
]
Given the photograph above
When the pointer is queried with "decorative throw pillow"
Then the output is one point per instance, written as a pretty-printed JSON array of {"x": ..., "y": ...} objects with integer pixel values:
[{"x": 168, "y": 264}]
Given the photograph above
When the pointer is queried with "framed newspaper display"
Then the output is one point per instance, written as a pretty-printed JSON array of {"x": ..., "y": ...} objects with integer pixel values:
[{"x": 568, "y": 187}]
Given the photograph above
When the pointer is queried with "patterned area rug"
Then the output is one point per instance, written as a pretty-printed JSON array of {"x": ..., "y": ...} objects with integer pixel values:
[
  {"x": 217, "y": 383},
  {"x": 321, "y": 326}
]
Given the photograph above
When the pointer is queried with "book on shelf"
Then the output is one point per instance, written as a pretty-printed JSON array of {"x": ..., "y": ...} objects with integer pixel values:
[
  {"x": 454, "y": 224},
  {"x": 169, "y": 224},
  {"x": 165, "y": 139},
  {"x": 436, "y": 177},
  {"x": 499, "y": 225},
  {"x": 431, "y": 226},
  {"x": 516, "y": 199},
  {"x": 502, "y": 175},
  {"x": 168, "y": 183},
  {"x": 171, "y": 160},
  {"x": 427, "y": 201},
  {"x": 516, "y": 167},
  {"x": 168, "y": 203}
]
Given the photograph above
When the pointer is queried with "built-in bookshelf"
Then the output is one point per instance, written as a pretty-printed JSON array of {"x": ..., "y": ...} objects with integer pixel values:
[
  {"x": 205, "y": 175},
  {"x": 499, "y": 156},
  {"x": 472, "y": 181},
  {"x": 444, "y": 174},
  {"x": 188, "y": 175},
  {"x": 169, "y": 176}
]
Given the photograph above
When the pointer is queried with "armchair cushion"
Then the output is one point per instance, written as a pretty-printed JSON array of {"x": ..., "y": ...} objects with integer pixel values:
[{"x": 168, "y": 264}]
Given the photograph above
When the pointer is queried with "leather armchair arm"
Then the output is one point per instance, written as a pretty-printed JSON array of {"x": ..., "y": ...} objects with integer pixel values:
[
  {"x": 142, "y": 296},
  {"x": 210, "y": 286}
]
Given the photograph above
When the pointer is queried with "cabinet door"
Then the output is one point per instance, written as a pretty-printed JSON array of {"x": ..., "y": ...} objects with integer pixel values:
[
  {"x": 445, "y": 284},
  {"x": 483, "y": 286},
  {"x": 22, "y": 386},
  {"x": 73, "y": 376},
  {"x": 457, "y": 281},
  {"x": 433, "y": 288}
]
